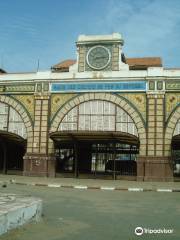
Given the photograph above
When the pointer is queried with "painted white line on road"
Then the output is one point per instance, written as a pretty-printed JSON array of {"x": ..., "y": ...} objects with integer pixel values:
[
  {"x": 164, "y": 190},
  {"x": 80, "y": 187},
  {"x": 135, "y": 189},
  {"x": 54, "y": 185},
  {"x": 107, "y": 188}
]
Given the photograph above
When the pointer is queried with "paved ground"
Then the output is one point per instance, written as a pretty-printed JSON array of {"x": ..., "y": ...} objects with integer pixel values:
[
  {"x": 98, "y": 215},
  {"x": 90, "y": 182}
]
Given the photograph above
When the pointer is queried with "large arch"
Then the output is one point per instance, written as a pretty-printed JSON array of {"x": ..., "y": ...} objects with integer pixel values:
[
  {"x": 15, "y": 134},
  {"x": 118, "y": 100},
  {"x": 17, "y": 106},
  {"x": 170, "y": 128}
]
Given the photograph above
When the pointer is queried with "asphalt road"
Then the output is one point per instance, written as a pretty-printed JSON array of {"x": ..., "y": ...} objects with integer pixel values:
[{"x": 70, "y": 214}]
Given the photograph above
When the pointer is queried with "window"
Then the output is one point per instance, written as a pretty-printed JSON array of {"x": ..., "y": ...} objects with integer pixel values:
[
  {"x": 98, "y": 115},
  {"x": 177, "y": 128},
  {"x": 11, "y": 121}
]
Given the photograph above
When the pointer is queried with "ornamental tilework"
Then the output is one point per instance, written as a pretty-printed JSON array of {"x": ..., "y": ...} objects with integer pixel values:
[
  {"x": 138, "y": 100},
  {"x": 57, "y": 100},
  {"x": 172, "y": 100},
  {"x": 20, "y": 88},
  {"x": 28, "y": 102},
  {"x": 2, "y": 88},
  {"x": 151, "y": 85},
  {"x": 172, "y": 85}
]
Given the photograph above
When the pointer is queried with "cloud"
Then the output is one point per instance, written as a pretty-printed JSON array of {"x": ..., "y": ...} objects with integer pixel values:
[{"x": 149, "y": 27}]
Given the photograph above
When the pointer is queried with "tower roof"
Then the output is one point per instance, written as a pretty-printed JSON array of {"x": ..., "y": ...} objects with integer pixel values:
[{"x": 134, "y": 63}]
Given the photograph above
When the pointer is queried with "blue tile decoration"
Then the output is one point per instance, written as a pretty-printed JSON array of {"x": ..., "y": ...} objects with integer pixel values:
[{"x": 99, "y": 86}]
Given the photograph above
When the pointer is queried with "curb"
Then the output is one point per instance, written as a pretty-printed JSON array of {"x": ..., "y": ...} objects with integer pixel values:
[{"x": 102, "y": 188}]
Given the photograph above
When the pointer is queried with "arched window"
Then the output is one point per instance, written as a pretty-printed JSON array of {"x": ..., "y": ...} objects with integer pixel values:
[
  {"x": 98, "y": 115},
  {"x": 11, "y": 121},
  {"x": 177, "y": 128}
]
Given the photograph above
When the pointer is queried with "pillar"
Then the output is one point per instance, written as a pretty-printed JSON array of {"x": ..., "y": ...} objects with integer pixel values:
[
  {"x": 37, "y": 161},
  {"x": 157, "y": 166}
]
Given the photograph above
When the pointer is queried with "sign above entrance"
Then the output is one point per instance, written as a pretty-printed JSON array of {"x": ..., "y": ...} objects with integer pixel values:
[{"x": 99, "y": 86}]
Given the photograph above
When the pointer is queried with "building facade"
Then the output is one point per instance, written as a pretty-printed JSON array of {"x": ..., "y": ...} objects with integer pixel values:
[{"x": 101, "y": 115}]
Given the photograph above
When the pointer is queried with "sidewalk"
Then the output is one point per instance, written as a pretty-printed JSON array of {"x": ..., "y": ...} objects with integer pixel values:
[{"x": 91, "y": 183}]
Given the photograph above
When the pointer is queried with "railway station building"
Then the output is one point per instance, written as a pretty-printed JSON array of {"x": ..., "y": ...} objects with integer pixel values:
[{"x": 102, "y": 115}]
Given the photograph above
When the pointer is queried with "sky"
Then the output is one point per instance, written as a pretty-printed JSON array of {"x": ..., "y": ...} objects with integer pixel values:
[{"x": 46, "y": 30}]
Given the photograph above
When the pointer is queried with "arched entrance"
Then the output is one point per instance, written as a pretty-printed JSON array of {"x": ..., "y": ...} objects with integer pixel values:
[
  {"x": 171, "y": 140},
  {"x": 176, "y": 150},
  {"x": 12, "y": 150},
  {"x": 96, "y": 138},
  {"x": 13, "y": 137}
]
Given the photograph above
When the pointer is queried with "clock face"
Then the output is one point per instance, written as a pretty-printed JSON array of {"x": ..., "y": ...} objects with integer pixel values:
[{"x": 98, "y": 57}]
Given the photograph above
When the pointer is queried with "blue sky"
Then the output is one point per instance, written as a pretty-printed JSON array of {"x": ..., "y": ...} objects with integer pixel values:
[{"x": 47, "y": 29}]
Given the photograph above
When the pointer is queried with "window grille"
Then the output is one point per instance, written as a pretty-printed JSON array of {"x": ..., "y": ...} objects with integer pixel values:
[
  {"x": 98, "y": 115},
  {"x": 11, "y": 121}
]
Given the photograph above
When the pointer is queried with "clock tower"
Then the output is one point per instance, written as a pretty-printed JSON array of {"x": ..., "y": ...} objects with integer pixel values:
[{"x": 100, "y": 53}]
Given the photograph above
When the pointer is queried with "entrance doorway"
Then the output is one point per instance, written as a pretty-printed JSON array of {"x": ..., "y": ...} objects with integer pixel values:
[
  {"x": 12, "y": 150},
  {"x": 96, "y": 138},
  {"x": 176, "y": 156},
  {"x": 96, "y": 155}
]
